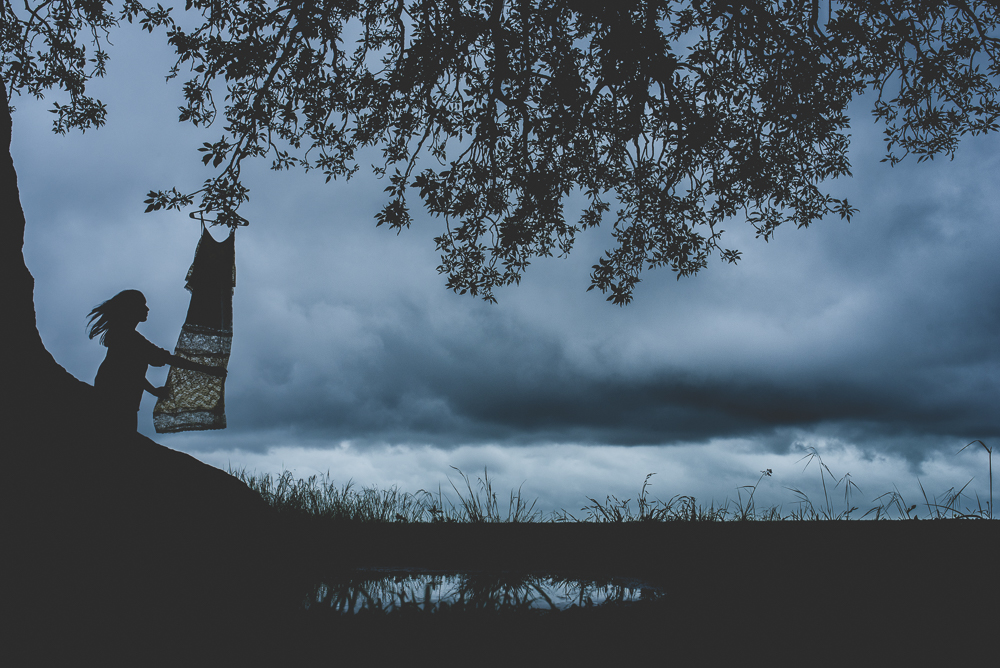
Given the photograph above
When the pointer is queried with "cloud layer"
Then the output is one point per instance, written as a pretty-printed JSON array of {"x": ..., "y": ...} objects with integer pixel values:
[{"x": 881, "y": 333}]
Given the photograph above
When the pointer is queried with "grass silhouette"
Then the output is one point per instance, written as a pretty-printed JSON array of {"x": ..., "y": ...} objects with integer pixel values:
[{"x": 319, "y": 497}]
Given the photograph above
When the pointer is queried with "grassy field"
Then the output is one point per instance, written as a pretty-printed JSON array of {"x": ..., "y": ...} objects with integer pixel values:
[{"x": 735, "y": 581}]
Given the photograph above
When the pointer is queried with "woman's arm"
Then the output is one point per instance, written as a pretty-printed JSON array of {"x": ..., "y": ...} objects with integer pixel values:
[
  {"x": 155, "y": 391},
  {"x": 182, "y": 363}
]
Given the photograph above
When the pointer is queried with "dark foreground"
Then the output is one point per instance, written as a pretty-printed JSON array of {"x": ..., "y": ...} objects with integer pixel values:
[
  {"x": 782, "y": 592},
  {"x": 771, "y": 592},
  {"x": 128, "y": 553}
]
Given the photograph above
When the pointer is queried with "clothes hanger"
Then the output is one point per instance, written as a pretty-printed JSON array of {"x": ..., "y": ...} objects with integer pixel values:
[{"x": 199, "y": 215}]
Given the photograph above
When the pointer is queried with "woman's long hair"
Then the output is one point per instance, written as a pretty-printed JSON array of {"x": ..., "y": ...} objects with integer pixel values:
[{"x": 118, "y": 310}]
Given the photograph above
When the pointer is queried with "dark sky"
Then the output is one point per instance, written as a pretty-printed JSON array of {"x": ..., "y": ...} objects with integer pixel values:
[{"x": 874, "y": 342}]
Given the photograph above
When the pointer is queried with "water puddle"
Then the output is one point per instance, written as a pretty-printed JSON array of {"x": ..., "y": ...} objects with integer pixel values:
[{"x": 392, "y": 589}]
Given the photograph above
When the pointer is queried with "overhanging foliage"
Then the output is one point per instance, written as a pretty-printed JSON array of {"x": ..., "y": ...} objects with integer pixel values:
[{"x": 680, "y": 115}]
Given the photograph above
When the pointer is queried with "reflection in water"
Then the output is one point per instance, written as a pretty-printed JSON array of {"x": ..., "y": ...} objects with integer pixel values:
[{"x": 388, "y": 589}]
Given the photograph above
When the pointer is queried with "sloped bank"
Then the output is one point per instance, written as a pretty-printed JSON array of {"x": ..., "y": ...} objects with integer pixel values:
[{"x": 113, "y": 545}]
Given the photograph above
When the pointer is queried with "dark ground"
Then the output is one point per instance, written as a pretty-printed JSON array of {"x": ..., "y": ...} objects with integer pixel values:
[
  {"x": 777, "y": 593},
  {"x": 127, "y": 553}
]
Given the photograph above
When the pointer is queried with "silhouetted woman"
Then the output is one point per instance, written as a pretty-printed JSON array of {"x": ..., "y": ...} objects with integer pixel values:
[{"x": 122, "y": 377}]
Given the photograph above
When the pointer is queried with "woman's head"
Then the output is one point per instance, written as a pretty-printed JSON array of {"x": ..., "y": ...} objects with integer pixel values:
[{"x": 126, "y": 309}]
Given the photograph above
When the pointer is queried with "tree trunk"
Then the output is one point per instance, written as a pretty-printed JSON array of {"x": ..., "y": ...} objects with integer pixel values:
[
  {"x": 108, "y": 534},
  {"x": 23, "y": 349}
]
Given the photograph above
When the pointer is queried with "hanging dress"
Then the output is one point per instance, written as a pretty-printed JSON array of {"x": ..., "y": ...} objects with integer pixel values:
[{"x": 195, "y": 400}]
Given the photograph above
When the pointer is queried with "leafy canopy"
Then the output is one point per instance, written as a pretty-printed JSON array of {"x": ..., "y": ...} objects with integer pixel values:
[{"x": 682, "y": 115}]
